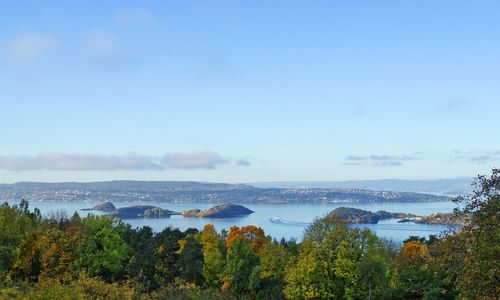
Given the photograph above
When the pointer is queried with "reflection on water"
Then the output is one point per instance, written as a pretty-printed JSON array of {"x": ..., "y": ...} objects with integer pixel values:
[{"x": 293, "y": 218}]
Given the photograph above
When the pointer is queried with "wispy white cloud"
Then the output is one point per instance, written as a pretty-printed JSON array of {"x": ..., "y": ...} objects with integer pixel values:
[
  {"x": 105, "y": 48},
  {"x": 31, "y": 47},
  {"x": 378, "y": 160},
  {"x": 98, "y": 162},
  {"x": 81, "y": 162}
]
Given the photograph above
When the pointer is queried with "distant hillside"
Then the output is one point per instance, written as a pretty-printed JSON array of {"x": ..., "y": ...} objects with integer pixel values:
[
  {"x": 450, "y": 187},
  {"x": 198, "y": 192},
  {"x": 128, "y": 186}
]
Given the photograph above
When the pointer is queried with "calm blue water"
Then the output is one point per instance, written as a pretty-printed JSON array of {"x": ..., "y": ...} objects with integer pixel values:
[{"x": 295, "y": 218}]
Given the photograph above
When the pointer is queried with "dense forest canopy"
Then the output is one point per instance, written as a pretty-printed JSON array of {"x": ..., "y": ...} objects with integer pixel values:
[{"x": 100, "y": 257}]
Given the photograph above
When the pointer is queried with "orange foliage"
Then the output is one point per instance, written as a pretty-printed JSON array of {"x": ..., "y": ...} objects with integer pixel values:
[
  {"x": 252, "y": 233},
  {"x": 414, "y": 251},
  {"x": 226, "y": 284}
]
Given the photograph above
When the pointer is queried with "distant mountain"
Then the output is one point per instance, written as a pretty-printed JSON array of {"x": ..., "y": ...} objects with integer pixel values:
[
  {"x": 450, "y": 187},
  {"x": 199, "y": 192}
]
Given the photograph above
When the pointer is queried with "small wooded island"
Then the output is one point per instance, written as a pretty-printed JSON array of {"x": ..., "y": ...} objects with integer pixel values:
[
  {"x": 359, "y": 216},
  {"x": 142, "y": 211},
  {"x": 226, "y": 210}
]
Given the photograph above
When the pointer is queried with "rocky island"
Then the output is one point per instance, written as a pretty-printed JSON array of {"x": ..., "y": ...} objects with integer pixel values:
[
  {"x": 104, "y": 207},
  {"x": 227, "y": 210}
]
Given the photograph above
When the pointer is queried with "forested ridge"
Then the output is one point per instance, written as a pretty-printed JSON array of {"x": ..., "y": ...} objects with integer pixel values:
[{"x": 100, "y": 257}]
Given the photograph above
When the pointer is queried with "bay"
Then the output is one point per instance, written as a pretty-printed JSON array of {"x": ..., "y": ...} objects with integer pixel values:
[{"x": 294, "y": 217}]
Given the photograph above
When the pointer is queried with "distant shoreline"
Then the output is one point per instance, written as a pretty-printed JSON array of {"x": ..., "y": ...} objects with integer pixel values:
[{"x": 196, "y": 192}]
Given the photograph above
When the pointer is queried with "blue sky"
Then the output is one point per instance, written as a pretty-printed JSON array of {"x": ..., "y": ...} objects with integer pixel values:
[{"x": 243, "y": 91}]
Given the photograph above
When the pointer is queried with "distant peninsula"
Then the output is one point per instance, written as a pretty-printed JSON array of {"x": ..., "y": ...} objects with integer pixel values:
[
  {"x": 441, "y": 218},
  {"x": 359, "y": 216}
]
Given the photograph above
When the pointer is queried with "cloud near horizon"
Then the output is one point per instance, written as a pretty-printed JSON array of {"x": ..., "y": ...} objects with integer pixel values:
[
  {"x": 378, "y": 160},
  {"x": 478, "y": 156},
  {"x": 98, "y": 162}
]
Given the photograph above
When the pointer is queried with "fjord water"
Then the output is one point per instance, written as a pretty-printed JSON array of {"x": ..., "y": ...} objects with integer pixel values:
[{"x": 294, "y": 217}]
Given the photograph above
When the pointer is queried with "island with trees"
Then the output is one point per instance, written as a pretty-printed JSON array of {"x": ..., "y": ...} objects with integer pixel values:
[
  {"x": 226, "y": 210},
  {"x": 351, "y": 215},
  {"x": 359, "y": 216}
]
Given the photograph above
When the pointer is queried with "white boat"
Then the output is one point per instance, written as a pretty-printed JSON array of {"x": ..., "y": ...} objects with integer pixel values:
[{"x": 275, "y": 219}]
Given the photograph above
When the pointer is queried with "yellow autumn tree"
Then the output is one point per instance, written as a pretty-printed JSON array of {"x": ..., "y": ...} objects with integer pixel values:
[{"x": 213, "y": 260}]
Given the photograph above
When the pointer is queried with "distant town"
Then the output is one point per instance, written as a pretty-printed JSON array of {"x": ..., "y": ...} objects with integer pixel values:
[{"x": 198, "y": 192}]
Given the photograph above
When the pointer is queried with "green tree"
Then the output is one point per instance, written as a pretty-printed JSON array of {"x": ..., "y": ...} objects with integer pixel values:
[
  {"x": 480, "y": 251},
  {"x": 15, "y": 223},
  {"x": 102, "y": 251},
  {"x": 419, "y": 275},
  {"x": 273, "y": 262},
  {"x": 141, "y": 267},
  {"x": 373, "y": 269},
  {"x": 23, "y": 209},
  {"x": 62, "y": 243},
  {"x": 329, "y": 262},
  {"x": 167, "y": 248},
  {"x": 412, "y": 270},
  {"x": 28, "y": 263},
  {"x": 190, "y": 261},
  {"x": 445, "y": 263},
  {"x": 83, "y": 287},
  {"x": 241, "y": 273}
]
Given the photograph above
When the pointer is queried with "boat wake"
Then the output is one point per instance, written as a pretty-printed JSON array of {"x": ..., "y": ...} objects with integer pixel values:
[{"x": 278, "y": 220}]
